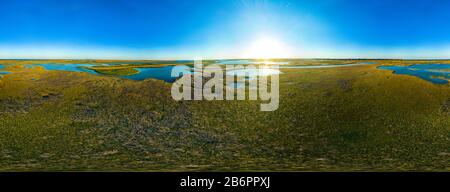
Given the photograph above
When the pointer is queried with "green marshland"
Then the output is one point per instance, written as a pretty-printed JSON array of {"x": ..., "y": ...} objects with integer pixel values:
[{"x": 349, "y": 118}]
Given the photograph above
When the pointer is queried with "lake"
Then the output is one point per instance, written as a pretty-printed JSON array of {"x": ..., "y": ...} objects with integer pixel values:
[
  {"x": 164, "y": 72},
  {"x": 434, "y": 73},
  {"x": 161, "y": 73},
  {"x": 253, "y": 73},
  {"x": 66, "y": 67}
]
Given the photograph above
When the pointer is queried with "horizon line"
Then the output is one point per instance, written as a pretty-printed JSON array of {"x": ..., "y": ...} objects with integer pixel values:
[{"x": 209, "y": 59}]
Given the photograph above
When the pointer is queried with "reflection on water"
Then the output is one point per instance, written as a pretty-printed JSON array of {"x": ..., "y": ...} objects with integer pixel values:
[
  {"x": 161, "y": 73},
  {"x": 253, "y": 73},
  {"x": 164, "y": 72},
  {"x": 435, "y": 73}
]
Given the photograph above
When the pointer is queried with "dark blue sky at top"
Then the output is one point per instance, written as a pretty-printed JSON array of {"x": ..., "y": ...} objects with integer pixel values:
[
  {"x": 166, "y": 24},
  {"x": 107, "y": 22}
]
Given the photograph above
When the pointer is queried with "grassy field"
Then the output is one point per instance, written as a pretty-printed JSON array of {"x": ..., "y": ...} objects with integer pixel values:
[{"x": 354, "y": 118}]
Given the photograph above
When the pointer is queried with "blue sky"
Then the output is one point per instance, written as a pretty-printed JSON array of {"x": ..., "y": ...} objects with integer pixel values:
[{"x": 187, "y": 29}]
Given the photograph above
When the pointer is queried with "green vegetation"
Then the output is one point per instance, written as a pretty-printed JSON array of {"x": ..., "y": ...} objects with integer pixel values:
[
  {"x": 124, "y": 69},
  {"x": 116, "y": 71},
  {"x": 354, "y": 118}
]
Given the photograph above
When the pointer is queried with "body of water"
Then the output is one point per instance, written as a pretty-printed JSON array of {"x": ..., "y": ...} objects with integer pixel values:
[
  {"x": 3, "y": 73},
  {"x": 161, "y": 73},
  {"x": 435, "y": 73},
  {"x": 253, "y": 73},
  {"x": 164, "y": 72},
  {"x": 66, "y": 67}
]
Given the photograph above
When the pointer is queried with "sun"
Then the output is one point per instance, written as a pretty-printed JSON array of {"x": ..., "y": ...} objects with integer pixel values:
[{"x": 266, "y": 48}]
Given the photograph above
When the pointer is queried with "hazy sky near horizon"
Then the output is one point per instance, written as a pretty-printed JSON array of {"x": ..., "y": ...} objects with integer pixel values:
[{"x": 187, "y": 29}]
